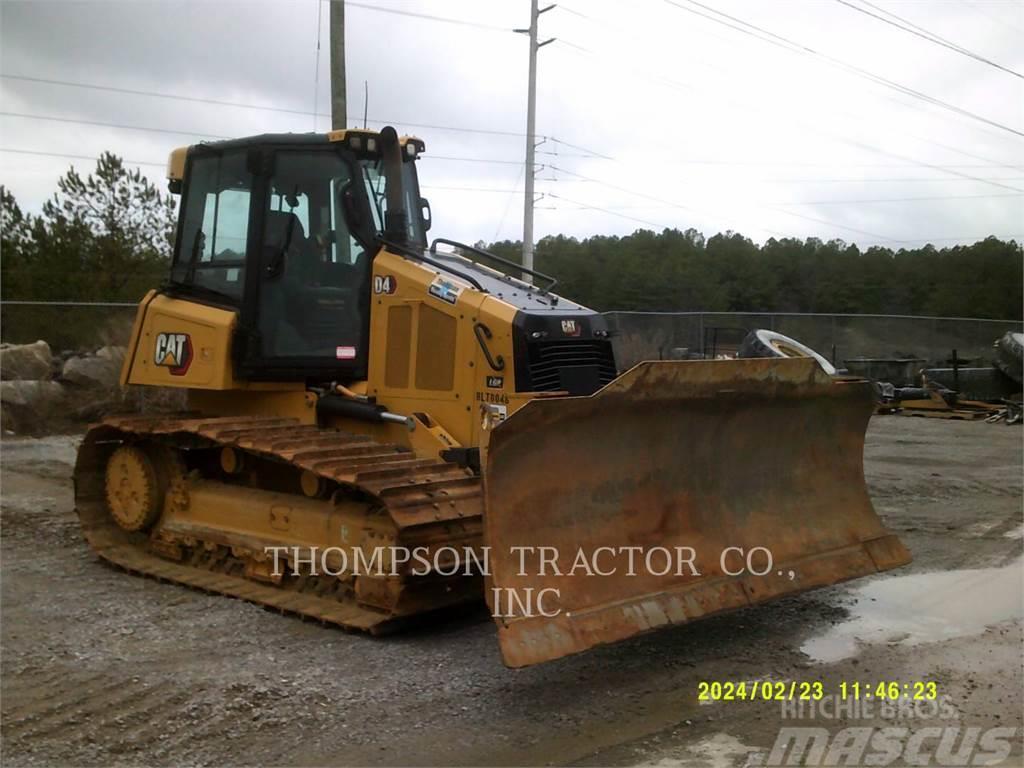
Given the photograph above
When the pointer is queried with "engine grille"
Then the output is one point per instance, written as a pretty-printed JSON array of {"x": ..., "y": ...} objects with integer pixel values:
[{"x": 579, "y": 366}]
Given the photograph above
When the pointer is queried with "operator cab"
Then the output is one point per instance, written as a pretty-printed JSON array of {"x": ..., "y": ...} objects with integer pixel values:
[{"x": 283, "y": 229}]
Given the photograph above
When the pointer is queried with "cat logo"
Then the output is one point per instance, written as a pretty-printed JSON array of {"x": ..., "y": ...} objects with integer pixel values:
[
  {"x": 174, "y": 351},
  {"x": 570, "y": 328}
]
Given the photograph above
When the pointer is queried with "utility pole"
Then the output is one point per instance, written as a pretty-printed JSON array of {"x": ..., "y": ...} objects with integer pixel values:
[
  {"x": 531, "y": 145},
  {"x": 338, "y": 119}
]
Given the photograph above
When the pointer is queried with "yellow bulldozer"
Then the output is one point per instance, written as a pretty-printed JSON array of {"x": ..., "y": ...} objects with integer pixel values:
[{"x": 443, "y": 428}]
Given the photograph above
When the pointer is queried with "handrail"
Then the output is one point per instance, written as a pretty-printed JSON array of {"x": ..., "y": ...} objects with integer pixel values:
[
  {"x": 483, "y": 334},
  {"x": 500, "y": 259},
  {"x": 413, "y": 254}
]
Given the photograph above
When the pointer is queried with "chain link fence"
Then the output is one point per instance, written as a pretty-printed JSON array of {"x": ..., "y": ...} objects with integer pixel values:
[
  {"x": 76, "y": 326},
  {"x": 82, "y": 326},
  {"x": 680, "y": 335}
]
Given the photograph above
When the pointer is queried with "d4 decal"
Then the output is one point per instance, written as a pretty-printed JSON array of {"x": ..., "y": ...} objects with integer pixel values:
[
  {"x": 384, "y": 284},
  {"x": 173, "y": 351}
]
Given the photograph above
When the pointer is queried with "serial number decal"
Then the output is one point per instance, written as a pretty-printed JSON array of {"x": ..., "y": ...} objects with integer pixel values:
[
  {"x": 813, "y": 690},
  {"x": 498, "y": 398}
]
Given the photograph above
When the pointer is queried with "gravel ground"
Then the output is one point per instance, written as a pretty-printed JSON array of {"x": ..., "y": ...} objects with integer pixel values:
[{"x": 101, "y": 668}]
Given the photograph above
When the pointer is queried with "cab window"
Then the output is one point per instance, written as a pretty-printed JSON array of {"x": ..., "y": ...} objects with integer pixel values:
[{"x": 211, "y": 250}]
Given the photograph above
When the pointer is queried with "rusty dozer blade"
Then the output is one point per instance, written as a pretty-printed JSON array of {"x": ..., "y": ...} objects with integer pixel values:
[{"x": 720, "y": 457}]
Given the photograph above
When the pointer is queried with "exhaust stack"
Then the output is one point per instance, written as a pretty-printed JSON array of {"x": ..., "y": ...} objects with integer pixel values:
[{"x": 396, "y": 223}]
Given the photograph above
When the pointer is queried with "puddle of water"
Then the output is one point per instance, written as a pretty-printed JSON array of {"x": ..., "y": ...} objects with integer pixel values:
[
  {"x": 924, "y": 608},
  {"x": 718, "y": 751}
]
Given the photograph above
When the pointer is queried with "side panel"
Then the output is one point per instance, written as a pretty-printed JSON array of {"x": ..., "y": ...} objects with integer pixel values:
[
  {"x": 133, "y": 342},
  {"x": 179, "y": 343},
  {"x": 425, "y": 356},
  {"x": 183, "y": 344}
]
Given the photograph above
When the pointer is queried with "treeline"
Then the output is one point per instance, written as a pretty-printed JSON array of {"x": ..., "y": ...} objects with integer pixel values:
[
  {"x": 683, "y": 271},
  {"x": 107, "y": 237},
  {"x": 101, "y": 237}
]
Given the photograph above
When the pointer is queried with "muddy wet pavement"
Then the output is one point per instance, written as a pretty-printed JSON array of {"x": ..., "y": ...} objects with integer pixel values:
[{"x": 99, "y": 667}]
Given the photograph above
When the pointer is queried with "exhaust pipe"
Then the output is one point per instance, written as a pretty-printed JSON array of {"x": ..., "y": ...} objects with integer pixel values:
[{"x": 396, "y": 224}]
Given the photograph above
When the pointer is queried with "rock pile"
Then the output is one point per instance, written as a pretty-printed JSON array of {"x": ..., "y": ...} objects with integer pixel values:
[{"x": 41, "y": 392}]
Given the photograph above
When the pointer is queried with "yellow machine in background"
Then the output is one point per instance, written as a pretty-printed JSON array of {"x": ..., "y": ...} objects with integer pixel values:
[{"x": 353, "y": 392}]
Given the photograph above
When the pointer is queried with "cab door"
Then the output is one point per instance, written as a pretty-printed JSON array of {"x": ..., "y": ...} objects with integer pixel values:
[{"x": 306, "y": 307}]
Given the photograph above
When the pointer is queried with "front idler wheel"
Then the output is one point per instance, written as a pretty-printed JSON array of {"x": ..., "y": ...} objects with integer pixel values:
[{"x": 133, "y": 489}]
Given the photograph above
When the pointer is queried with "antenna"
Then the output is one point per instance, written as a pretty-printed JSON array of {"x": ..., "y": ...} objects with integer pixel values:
[
  {"x": 316, "y": 71},
  {"x": 366, "y": 100}
]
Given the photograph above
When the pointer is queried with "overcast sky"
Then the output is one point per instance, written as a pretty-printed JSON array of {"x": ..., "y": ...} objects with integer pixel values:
[{"x": 655, "y": 116}]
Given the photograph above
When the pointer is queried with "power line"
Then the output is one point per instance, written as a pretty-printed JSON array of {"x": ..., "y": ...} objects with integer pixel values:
[
  {"x": 802, "y": 164},
  {"x": 119, "y": 126},
  {"x": 661, "y": 80},
  {"x": 240, "y": 105},
  {"x": 284, "y": 110},
  {"x": 1001, "y": 23},
  {"x": 567, "y": 9},
  {"x": 589, "y": 153},
  {"x": 908, "y": 27},
  {"x": 770, "y": 207},
  {"x": 842, "y": 202},
  {"x": 609, "y": 212},
  {"x": 488, "y": 161},
  {"x": 158, "y": 95},
  {"x": 918, "y": 27},
  {"x": 75, "y": 157},
  {"x": 508, "y": 202},
  {"x": 70, "y": 156},
  {"x": 895, "y": 180},
  {"x": 904, "y": 199},
  {"x": 669, "y": 203},
  {"x": 426, "y": 16},
  {"x": 770, "y": 37},
  {"x": 470, "y": 189},
  {"x": 147, "y": 162},
  {"x": 612, "y": 212}
]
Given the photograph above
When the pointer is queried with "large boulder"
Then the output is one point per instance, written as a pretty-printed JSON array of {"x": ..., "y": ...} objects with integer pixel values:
[
  {"x": 94, "y": 372},
  {"x": 27, "y": 362},
  {"x": 31, "y": 406},
  {"x": 113, "y": 353}
]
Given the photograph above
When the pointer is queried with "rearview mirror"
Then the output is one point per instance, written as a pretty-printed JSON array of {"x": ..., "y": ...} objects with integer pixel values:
[{"x": 357, "y": 213}]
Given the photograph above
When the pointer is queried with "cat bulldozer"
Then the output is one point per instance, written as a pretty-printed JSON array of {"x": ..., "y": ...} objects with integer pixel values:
[{"x": 353, "y": 398}]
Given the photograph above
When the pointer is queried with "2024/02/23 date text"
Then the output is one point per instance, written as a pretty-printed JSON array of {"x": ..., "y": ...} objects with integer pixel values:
[{"x": 766, "y": 690}]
